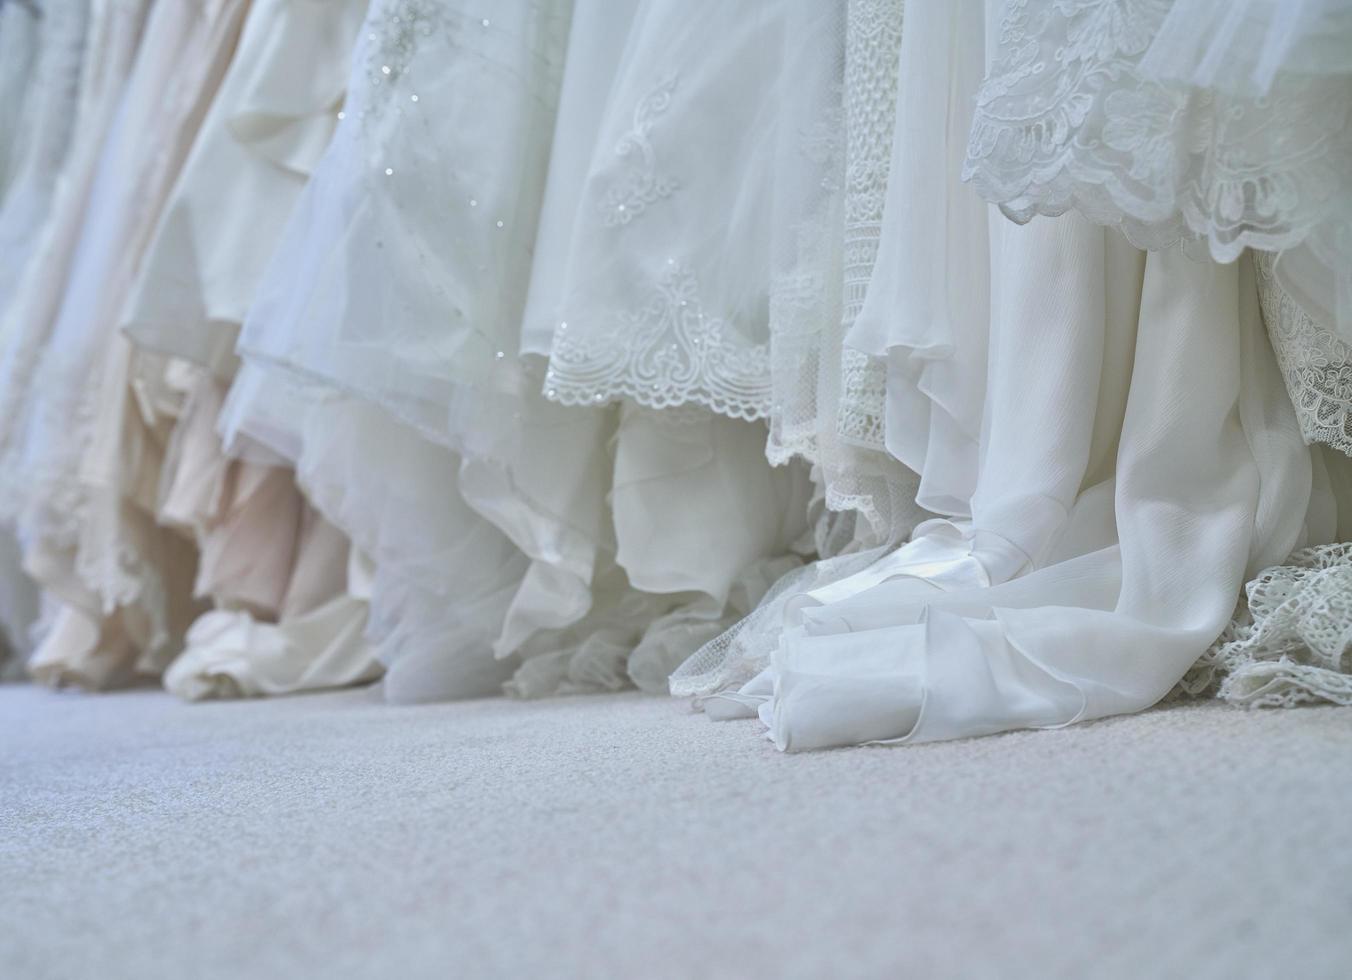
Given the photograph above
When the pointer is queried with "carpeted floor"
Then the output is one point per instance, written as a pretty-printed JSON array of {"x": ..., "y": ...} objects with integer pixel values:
[{"x": 333, "y": 836}]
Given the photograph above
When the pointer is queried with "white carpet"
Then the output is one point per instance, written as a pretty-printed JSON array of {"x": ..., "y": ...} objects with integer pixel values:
[{"x": 333, "y": 836}]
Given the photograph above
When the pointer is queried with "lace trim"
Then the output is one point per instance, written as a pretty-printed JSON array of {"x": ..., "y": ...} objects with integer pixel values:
[
  {"x": 1316, "y": 364},
  {"x": 863, "y": 400},
  {"x": 1066, "y": 120},
  {"x": 800, "y": 302},
  {"x": 665, "y": 354},
  {"x": 872, "y": 55},
  {"x": 641, "y": 185},
  {"x": 1291, "y": 639}
]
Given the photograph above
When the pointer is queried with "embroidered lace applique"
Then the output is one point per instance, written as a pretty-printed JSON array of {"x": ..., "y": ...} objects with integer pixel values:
[
  {"x": 640, "y": 184},
  {"x": 1066, "y": 119},
  {"x": 667, "y": 353}
]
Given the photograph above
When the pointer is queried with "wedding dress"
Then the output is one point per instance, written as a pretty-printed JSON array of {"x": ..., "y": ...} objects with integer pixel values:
[
  {"x": 376, "y": 460},
  {"x": 1071, "y": 593},
  {"x": 653, "y": 310},
  {"x": 870, "y": 497},
  {"x": 571, "y": 345},
  {"x": 89, "y": 446},
  {"x": 276, "y": 572},
  {"x": 42, "y": 133},
  {"x": 112, "y": 36},
  {"x": 828, "y": 400},
  {"x": 19, "y": 602},
  {"x": 20, "y": 41},
  {"x": 1226, "y": 123},
  {"x": 1084, "y": 470},
  {"x": 1181, "y": 119},
  {"x": 42, "y": 53},
  {"x": 498, "y": 524}
]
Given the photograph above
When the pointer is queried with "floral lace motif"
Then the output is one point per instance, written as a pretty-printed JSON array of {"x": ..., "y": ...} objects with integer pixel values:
[
  {"x": 863, "y": 400},
  {"x": 1316, "y": 364},
  {"x": 667, "y": 353},
  {"x": 641, "y": 185},
  {"x": 1066, "y": 120},
  {"x": 1291, "y": 639}
]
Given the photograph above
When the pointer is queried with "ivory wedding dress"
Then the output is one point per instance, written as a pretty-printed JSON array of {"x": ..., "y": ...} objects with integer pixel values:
[
  {"x": 112, "y": 34},
  {"x": 276, "y": 572},
  {"x": 86, "y": 504},
  {"x": 42, "y": 52}
]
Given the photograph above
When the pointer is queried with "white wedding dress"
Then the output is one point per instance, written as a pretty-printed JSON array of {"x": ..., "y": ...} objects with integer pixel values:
[
  {"x": 512, "y": 539},
  {"x": 573, "y": 345},
  {"x": 1104, "y": 498}
]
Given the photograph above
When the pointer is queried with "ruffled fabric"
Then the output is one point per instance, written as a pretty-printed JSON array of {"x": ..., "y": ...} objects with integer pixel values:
[
  {"x": 1123, "y": 111},
  {"x": 285, "y": 619},
  {"x": 19, "y": 610},
  {"x": 263, "y": 135},
  {"x": 1075, "y": 560},
  {"x": 927, "y": 304},
  {"x": 514, "y": 539},
  {"x": 319, "y": 643},
  {"x": 91, "y": 444}
]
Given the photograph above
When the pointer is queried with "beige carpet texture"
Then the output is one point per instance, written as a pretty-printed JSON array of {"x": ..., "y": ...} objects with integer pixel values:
[{"x": 334, "y": 836}]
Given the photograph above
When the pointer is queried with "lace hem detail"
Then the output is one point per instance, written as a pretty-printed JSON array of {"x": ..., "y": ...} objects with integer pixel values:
[
  {"x": 872, "y": 56},
  {"x": 1066, "y": 120},
  {"x": 1291, "y": 639},
  {"x": 1316, "y": 365},
  {"x": 863, "y": 400},
  {"x": 668, "y": 353}
]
